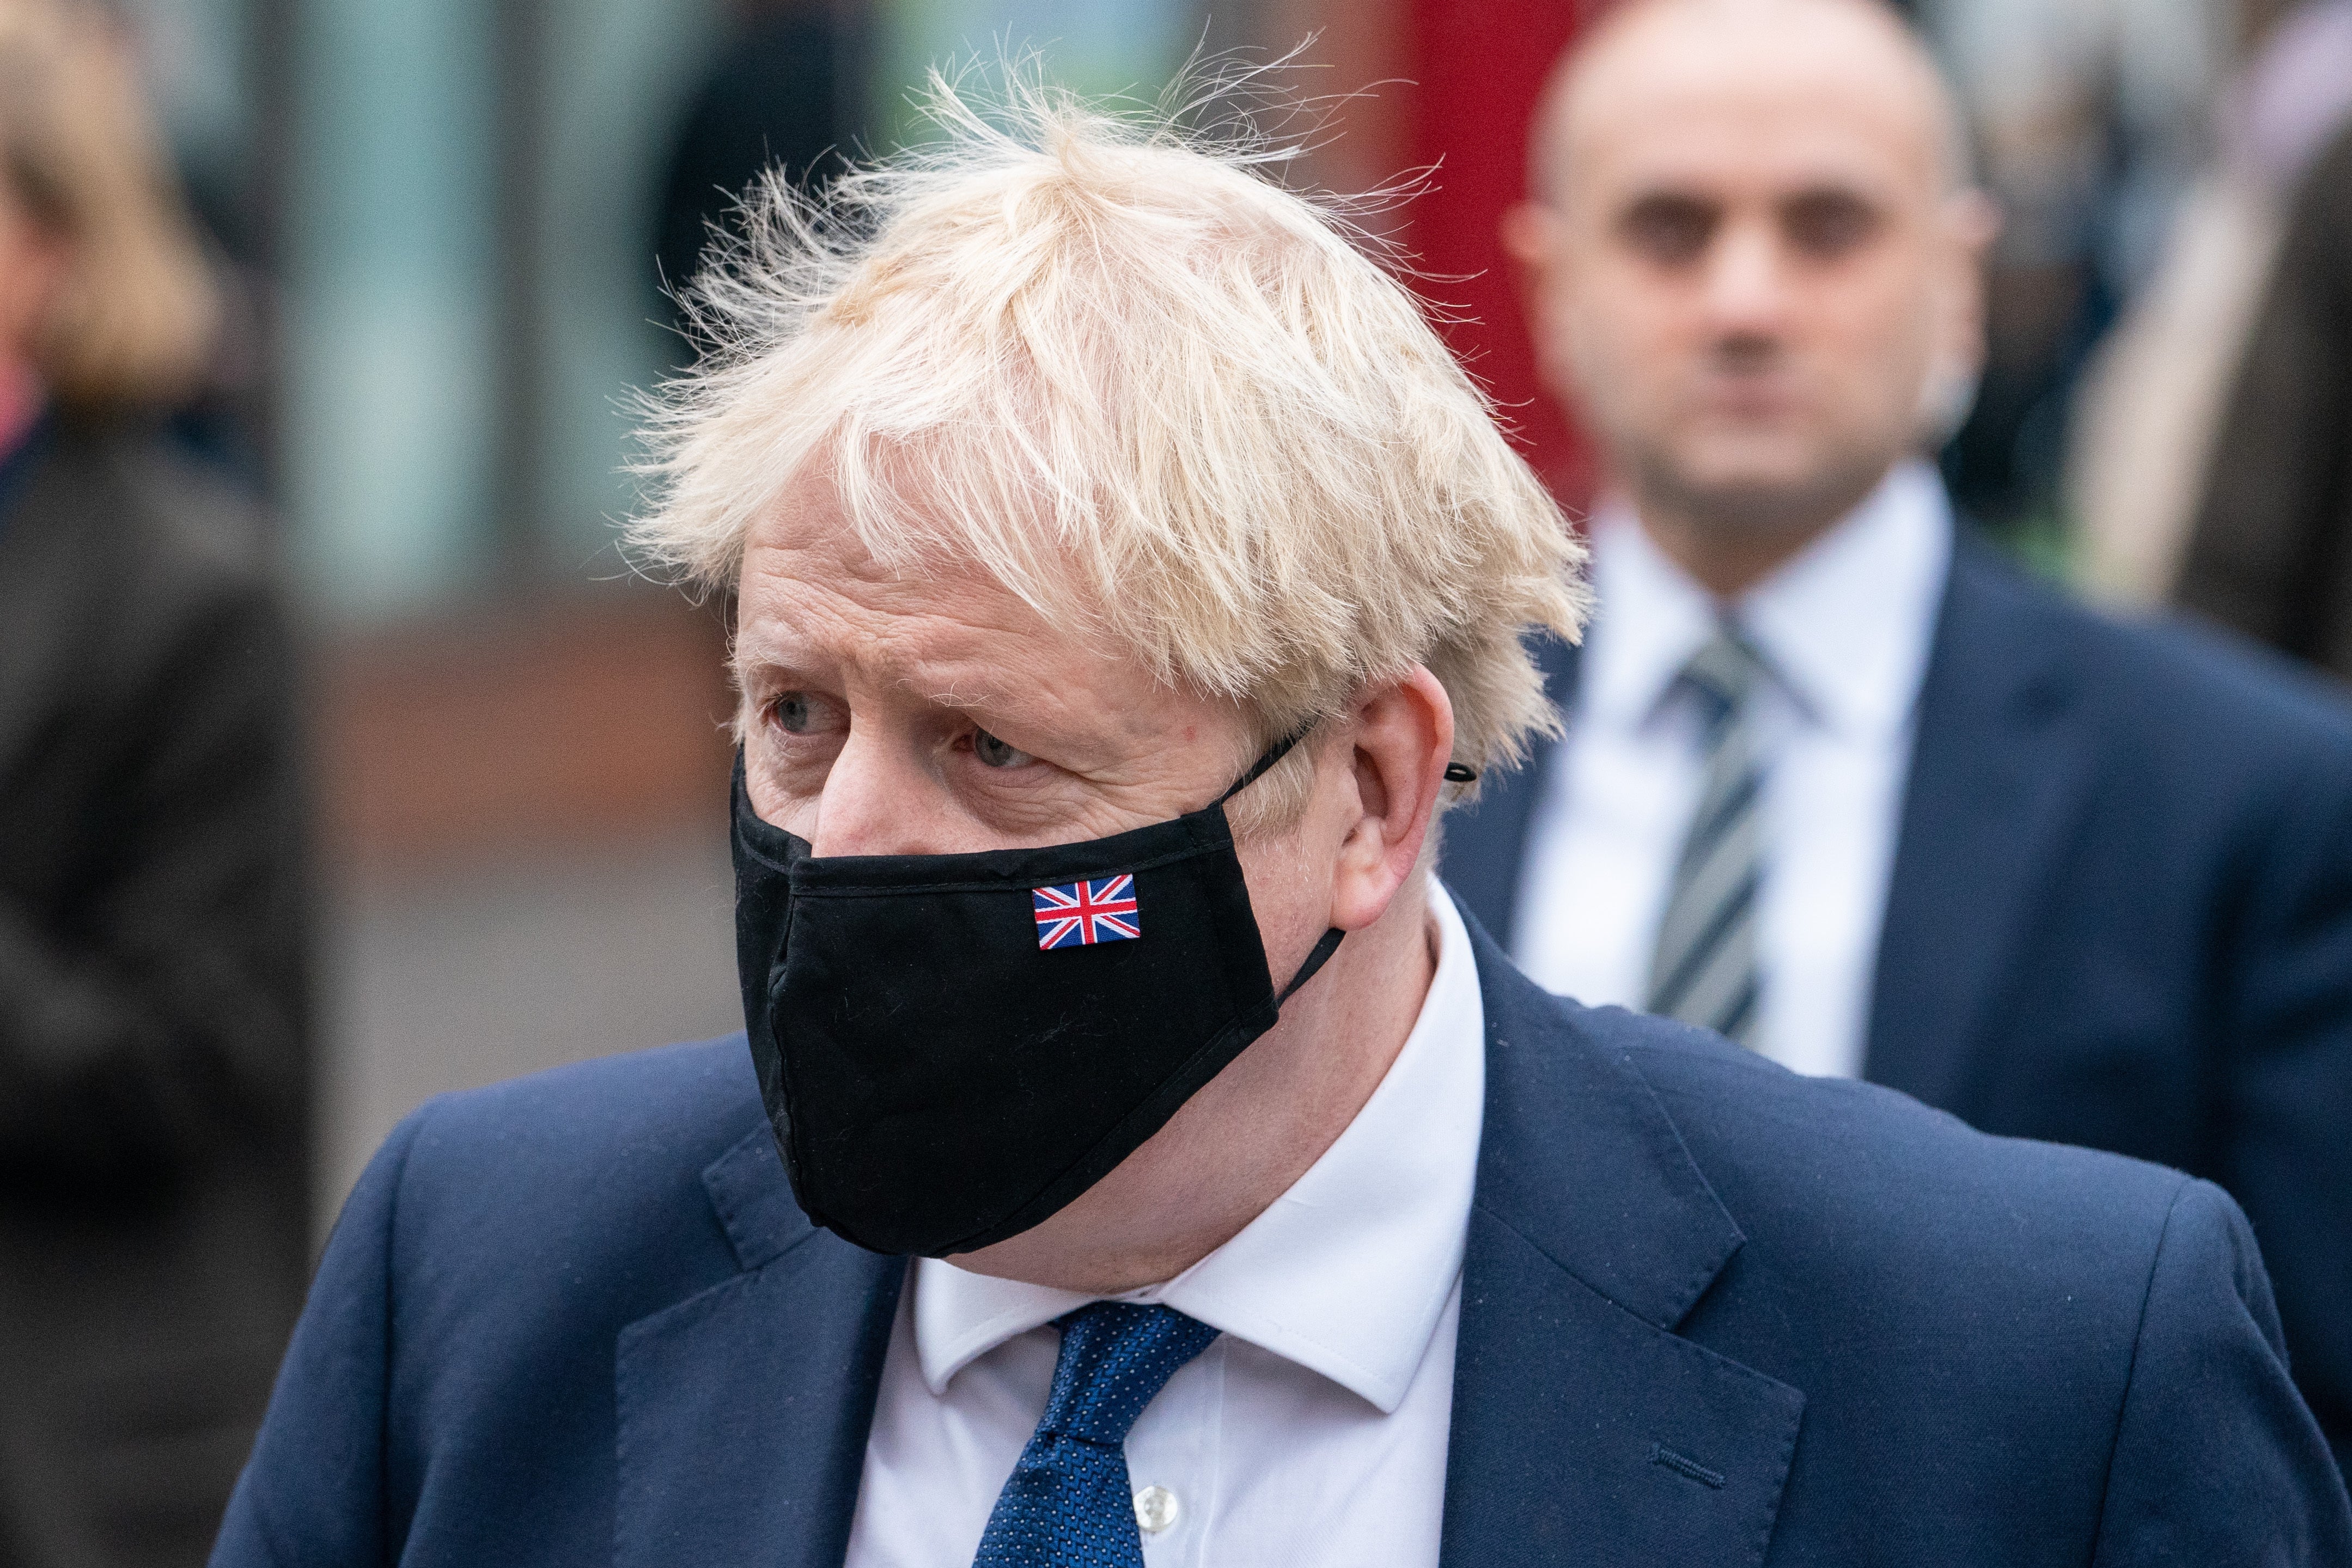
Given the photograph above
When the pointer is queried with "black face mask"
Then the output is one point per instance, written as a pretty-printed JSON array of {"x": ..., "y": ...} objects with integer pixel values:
[{"x": 951, "y": 1047}]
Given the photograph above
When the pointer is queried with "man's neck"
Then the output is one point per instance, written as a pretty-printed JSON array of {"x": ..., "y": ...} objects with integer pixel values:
[{"x": 1727, "y": 551}]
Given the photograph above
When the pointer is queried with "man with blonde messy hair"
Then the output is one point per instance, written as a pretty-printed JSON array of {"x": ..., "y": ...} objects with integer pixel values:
[{"x": 1132, "y": 1154}]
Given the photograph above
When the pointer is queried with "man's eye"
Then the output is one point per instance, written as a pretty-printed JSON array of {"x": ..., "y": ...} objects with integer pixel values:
[
  {"x": 995, "y": 753},
  {"x": 1670, "y": 231},
  {"x": 1827, "y": 225},
  {"x": 794, "y": 713}
]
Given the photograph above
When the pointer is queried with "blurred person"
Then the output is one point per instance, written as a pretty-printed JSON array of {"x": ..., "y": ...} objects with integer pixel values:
[
  {"x": 772, "y": 99},
  {"x": 1134, "y": 1156},
  {"x": 2091, "y": 118},
  {"x": 1837, "y": 781},
  {"x": 154, "y": 1231},
  {"x": 2150, "y": 404},
  {"x": 2271, "y": 553}
]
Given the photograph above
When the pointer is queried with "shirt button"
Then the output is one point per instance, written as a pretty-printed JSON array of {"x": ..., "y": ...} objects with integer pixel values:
[{"x": 1155, "y": 1509}]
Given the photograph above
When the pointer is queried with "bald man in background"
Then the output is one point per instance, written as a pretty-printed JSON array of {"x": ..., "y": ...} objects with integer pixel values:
[{"x": 1838, "y": 783}]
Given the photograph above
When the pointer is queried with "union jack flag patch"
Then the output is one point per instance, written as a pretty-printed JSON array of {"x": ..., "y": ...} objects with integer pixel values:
[{"x": 1080, "y": 913}]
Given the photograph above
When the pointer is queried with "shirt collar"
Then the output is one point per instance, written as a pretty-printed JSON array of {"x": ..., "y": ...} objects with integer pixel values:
[
  {"x": 1845, "y": 626},
  {"x": 1348, "y": 1271}
]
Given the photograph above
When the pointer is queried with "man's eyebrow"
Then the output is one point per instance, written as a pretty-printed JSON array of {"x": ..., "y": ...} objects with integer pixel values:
[
  {"x": 764, "y": 661},
  {"x": 747, "y": 657},
  {"x": 949, "y": 698},
  {"x": 1834, "y": 189},
  {"x": 1668, "y": 193}
]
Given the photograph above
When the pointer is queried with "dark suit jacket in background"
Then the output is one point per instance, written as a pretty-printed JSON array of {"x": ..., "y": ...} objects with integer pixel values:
[
  {"x": 2120, "y": 915},
  {"x": 153, "y": 1084},
  {"x": 1713, "y": 1314},
  {"x": 2270, "y": 552}
]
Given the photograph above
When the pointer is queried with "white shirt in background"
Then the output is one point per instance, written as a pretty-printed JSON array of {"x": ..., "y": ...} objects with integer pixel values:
[
  {"x": 1844, "y": 629},
  {"x": 1313, "y": 1429}
]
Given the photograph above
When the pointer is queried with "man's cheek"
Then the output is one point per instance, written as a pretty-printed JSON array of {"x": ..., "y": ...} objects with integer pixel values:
[{"x": 1617, "y": 366}]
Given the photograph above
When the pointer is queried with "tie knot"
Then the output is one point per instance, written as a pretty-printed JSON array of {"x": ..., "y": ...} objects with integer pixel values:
[
  {"x": 1721, "y": 675},
  {"x": 1115, "y": 1360}
]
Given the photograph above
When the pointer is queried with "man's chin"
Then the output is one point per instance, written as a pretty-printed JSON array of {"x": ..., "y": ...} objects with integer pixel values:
[{"x": 1775, "y": 497}]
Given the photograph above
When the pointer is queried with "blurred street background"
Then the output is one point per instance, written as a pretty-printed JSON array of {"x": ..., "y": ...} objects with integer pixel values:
[{"x": 445, "y": 225}]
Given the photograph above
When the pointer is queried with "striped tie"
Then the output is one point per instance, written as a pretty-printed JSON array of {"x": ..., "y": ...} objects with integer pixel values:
[{"x": 1703, "y": 969}]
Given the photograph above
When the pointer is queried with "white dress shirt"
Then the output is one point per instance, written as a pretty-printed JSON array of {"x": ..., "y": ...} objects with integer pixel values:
[
  {"x": 1844, "y": 630},
  {"x": 1313, "y": 1429}
]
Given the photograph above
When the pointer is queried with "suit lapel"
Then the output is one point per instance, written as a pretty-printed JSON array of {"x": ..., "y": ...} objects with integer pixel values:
[
  {"x": 1997, "y": 783},
  {"x": 743, "y": 1410},
  {"x": 1484, "y": 846},
  {"x": 1584, "y": 1430}
]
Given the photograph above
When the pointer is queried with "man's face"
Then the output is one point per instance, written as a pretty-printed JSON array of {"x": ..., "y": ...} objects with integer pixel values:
[
  {"x": 932, "y": 712},
  {"x": 1750, "y": 276}
]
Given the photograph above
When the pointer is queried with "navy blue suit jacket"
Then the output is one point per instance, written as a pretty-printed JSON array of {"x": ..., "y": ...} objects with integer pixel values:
[
  {"x": 2120, "y": 915},
  {"x": 1712, "y": 1315}
]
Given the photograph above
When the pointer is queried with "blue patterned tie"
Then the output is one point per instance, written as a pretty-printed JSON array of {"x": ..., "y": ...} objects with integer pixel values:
[{"x": 1067, "y": 1504}]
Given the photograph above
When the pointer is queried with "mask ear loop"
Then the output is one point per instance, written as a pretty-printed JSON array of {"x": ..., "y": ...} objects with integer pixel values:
[
  {"x": 1274, "y": 753},
  {"x": 1317, "y": 957},
  {"x": 1456, "y": 772},
  {"x": 1320, "y": 954}
]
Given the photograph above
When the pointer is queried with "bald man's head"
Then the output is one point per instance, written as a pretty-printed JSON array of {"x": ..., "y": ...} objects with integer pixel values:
[
  {"x": 1753, "y": 263},
  {"x": 1850, "y": 39}
]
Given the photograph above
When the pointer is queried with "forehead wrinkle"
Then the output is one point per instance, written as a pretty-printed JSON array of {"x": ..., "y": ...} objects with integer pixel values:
[
  {"x": 961, "y": 676},
  {"x": 889, "y": 656},
  {"x": 873, "y": 604}
]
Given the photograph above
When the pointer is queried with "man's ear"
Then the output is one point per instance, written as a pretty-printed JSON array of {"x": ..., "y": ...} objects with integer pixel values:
[
  {"x": 1975, "y": 220},
  {"x": 1971, "y": 222},
  {"x": 1532, "y": 234},
  {"x": 1404, "y": 738}
]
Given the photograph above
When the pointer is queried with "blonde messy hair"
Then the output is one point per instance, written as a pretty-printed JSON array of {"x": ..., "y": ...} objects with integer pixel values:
[
  {"x": 1154, "y": 394},
  {"x": 135, "y": 314}
]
